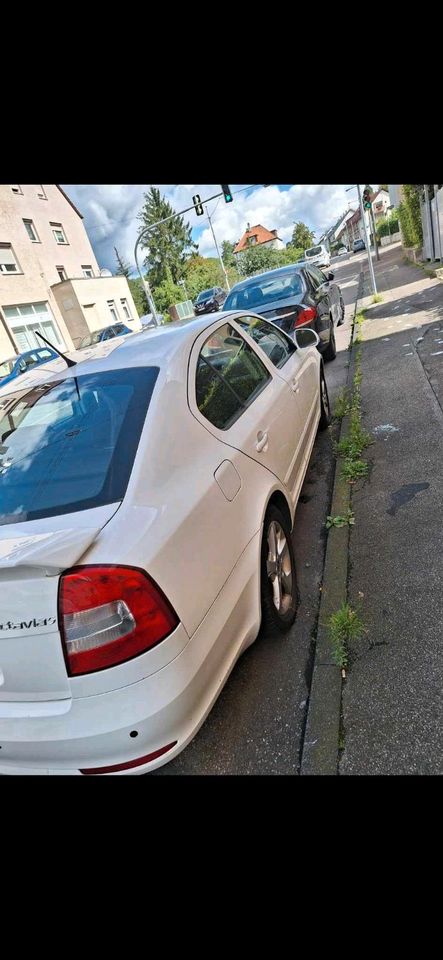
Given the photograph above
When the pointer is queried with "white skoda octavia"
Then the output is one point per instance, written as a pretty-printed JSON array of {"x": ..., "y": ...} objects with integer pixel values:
[{"x": 147, "y": 496}]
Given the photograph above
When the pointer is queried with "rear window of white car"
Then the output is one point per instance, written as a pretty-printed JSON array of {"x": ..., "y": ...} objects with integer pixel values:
[{"x": 69, "y": 445}]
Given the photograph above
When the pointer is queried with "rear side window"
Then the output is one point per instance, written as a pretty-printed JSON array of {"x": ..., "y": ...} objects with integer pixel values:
[
  {"x": 229, "y": 377},
  {"x": 70, "y": 444},
  {"x": 277, "y": 347}
]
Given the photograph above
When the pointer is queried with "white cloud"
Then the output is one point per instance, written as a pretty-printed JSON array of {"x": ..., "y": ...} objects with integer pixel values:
[{"x": 110, "y": 212}]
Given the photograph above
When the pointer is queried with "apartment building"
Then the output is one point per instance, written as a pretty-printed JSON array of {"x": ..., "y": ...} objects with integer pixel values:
[{"x": 49, "y": 277}]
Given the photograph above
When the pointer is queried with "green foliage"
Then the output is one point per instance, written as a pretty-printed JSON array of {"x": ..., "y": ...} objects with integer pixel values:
[
  {"x": 410, "y": 216},
  {"x": 123, "y": 267},
  {"x": 347, "y": 520},
  {"x": 302, "y": 236},
  {"x": 202, "y": 273},
  {"x": 167, "y": 293},
  {"x": 257, "y": 260},
  {"x": 139, "y": 297},
  {"x": 227, "y": 253},
  {"x": 377, "y": 298},
  {"x": 168, "y": 245},
  {"x": 386, "y": 226},
  {"x": 353, "y": 470},
  {"x": 342, "y": 405},
  {"x": 344, "y": 626}
]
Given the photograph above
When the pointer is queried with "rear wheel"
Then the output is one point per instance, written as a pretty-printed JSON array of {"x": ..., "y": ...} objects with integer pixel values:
[
  {"x": 325, "y": 408},
  {"x": 331, "y": 350},
  {"x": 278, "y": 580}
]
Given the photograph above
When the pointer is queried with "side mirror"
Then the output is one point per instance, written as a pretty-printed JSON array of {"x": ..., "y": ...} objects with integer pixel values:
[
  {"x": 330, "y": 276},
  {"x": 306, "y": 338}
]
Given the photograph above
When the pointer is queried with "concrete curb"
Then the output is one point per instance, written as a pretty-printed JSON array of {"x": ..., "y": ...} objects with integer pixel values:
[{"x": 321, "y": 740}]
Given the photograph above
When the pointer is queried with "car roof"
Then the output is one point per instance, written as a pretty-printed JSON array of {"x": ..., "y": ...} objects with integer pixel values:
[
  {"x": 154, "y": 346},
  {"x": 273, "y": 274}
]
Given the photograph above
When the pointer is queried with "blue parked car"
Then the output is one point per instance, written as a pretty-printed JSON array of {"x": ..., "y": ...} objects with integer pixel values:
[
  {"x": 116, "y": 330},
  {"x": 10, "y": 369}
]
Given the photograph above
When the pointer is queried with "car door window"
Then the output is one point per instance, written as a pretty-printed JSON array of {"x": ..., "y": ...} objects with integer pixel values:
[
  {"x": 275, "y": 344},
  {"x": 229, "y": 377},
  {"x": 316, "y": 277}
]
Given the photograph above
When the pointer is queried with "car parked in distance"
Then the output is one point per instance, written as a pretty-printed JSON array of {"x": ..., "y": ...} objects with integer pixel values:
[
  {"x": 294, "y": 297},
  {"x": 122, "y": 608},
  {"x": 358, "y": 245},
  {"x": 208, "y": 301},
  {"x": 10, "y": 369},
  {"x": 319, "y": 256},
  {"x": 107, "y": 333}
]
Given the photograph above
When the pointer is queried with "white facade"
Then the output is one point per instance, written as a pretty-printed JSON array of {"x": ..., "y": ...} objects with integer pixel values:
[{"x": 44, "y": 247}]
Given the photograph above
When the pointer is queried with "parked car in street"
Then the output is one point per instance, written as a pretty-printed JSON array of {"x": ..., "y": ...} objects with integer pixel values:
[
  {"x": 358, "y": 245},
  {"x": 210, "y": 300},
  {"x": 299, "y": 295},
  {"x": 122, "y": 609},
  {"x": 10, "y": 369},
  {"x": 107, "y": 333},
  {"x": 319, "y": 256}
]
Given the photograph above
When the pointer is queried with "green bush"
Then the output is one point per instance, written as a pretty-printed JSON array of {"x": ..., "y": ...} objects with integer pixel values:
[{"x": 410, "y": 216}]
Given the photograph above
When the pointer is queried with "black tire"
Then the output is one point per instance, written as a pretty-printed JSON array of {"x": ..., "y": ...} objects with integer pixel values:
[
  {"x": 342, "y": 313},
  {"x": 325, "y": 407},
  {"x": 331, "y": 350},
  {"x": 277, "y": 621}
]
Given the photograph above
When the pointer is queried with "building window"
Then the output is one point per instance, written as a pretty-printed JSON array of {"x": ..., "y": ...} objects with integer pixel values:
[
  {"x": 41, "y": 192},
  {"x": 252, "y": 240},
  {"x": 24, "y": 318},
  {"x": 87, "y": 270},
  {"x": 16, "y": 188},
  {"x": 126, "y": 309},
  {"x": 113, "y": 311},
  {"x": 31, "y": 231},
  {"x": 58, "y": 232},
  {"x": 62, "y": 273},
  {"x": 8, "y": 260}
]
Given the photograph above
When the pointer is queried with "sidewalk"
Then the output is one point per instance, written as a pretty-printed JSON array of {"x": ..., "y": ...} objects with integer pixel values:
[{"x": 392, "y": 698}]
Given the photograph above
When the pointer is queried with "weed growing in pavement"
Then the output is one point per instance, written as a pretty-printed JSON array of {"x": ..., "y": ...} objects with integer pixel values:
[
  {"x": 354, "y": 470},
  {"x": 344, "y": 626},
  {"x": 377, "y": 298},
  {"x": 341, "y": 521},
  {"x": 342, "y": 405}
]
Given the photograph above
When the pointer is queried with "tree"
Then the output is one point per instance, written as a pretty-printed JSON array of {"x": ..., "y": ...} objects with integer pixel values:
[
  {"x": 139, "y": 297},
  {"x": 168, "y": 245},
  {"x": 383, "y": 186},
  {"x": 123, "y": 267},
  {"x": 167, "y": 293},
  {"x": 228, "y": 255},
  {"x": 257, "y": 259},
  {"x": 302, "y": 236}
]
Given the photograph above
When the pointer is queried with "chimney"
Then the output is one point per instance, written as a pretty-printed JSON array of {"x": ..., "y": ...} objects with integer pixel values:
[
  {"x": 274, "y": 232},
  {"x": 248, "y": 227}
]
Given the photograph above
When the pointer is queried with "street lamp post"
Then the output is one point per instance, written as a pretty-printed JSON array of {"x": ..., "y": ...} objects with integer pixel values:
[{"x": 218, "y": 251}]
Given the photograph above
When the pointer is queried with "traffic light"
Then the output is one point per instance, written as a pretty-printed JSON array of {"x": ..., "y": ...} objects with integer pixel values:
[
  {"x": 198, "y": 205},
  {"x": 227, "y": 192},
  {"x": 367, "y": 198}
]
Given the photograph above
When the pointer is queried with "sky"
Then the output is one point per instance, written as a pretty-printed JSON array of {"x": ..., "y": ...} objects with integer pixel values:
[{"x": 110, "y": 212}]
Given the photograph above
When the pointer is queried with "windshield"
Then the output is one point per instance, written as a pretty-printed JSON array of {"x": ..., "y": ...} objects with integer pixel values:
[
  {"x": 70, "y": 444},
  {"x": 7, "y": 367},
  {"x": 265, "y": 290},
  {"x": 205, "y": 294},
  {"x": 313, "y": 252}
]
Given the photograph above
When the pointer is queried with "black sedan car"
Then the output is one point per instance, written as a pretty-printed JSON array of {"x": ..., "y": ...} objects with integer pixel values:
[
  {"x": 210, "y": 300},
  {"x": 292, "y": 297}
]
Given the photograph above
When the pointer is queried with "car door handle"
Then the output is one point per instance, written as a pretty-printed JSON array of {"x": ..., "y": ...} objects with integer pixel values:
[
  {"x": 295, "y": 386},
  {"x": 262, "y": 441}
]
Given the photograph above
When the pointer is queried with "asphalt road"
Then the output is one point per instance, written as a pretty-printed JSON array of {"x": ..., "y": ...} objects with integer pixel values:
[{"x": 257, "y": 723}]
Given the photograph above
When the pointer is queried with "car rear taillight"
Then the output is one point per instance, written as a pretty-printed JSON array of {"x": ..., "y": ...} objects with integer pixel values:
[
  {"x": 109, "y": 614},
  {"x": 306, "y": 315}
]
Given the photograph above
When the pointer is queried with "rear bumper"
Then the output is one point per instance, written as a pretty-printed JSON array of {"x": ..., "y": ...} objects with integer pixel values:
[{"x": 170, "y": 705}]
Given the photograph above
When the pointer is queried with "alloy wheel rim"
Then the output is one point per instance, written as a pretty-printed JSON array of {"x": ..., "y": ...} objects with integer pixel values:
[{"x": 279, "y": 567}]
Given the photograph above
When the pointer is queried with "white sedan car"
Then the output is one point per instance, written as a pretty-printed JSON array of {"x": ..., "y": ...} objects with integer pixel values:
[{"x": 147, "y": 496}]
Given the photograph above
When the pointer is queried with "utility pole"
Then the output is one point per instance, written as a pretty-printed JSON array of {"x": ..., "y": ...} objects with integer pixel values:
[
  {"x": 218, "y": 251},
  {"x": 368, "y": 246}
]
